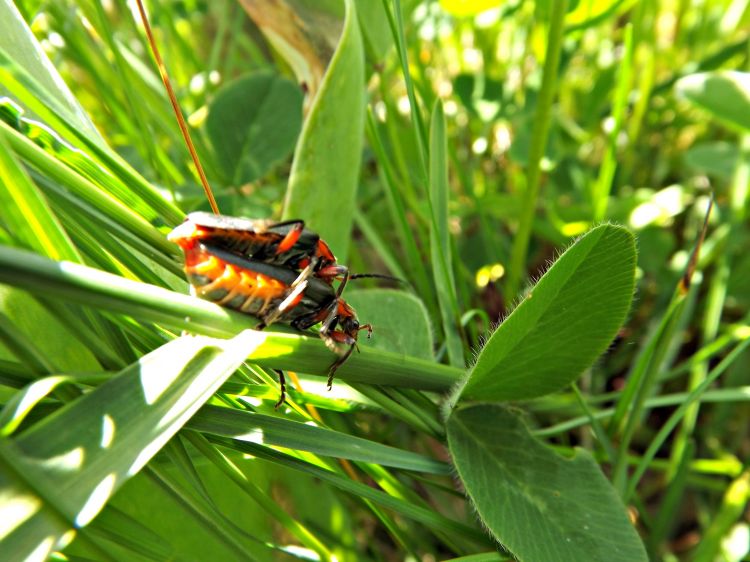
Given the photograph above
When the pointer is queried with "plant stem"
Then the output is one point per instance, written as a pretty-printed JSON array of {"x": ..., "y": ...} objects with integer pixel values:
[{"x": 540, "y": 133}]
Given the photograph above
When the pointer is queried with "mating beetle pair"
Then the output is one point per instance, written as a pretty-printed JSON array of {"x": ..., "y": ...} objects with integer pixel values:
[{"x": 277, "y": 272}]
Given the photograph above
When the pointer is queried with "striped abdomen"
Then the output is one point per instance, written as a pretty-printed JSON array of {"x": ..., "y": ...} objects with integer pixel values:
[{"x": 231, "y": 285}]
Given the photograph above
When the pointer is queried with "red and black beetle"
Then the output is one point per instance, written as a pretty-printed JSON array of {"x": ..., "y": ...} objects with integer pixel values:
[
  {"x": 270, "y": 292},
  {"x": 286, "y": 244}
]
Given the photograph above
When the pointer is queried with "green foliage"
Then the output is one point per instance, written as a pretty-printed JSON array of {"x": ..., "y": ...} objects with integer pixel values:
[
  {"x": 107, "y": 436},
  {"x": 459, "y": 146},
  {"x": 399, "y": 318},
  {"x": 321, "y": 188},
  {"x": 562, "y": 325},
  {"x": 253, "y": 123},
  {"x": 518, "y": 484},
  {"x": 726, "y": 95}
]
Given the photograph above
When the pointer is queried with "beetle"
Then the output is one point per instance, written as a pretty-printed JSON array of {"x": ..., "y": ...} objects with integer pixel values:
[
  {"x": 288, "y": 243},
  {"x": 270, "y": 292}
]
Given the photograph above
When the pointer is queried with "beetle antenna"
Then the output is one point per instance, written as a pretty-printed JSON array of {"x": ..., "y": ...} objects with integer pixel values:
[
  {"x": 176, "y": 107},
  {"x": 377, "y": 276}
]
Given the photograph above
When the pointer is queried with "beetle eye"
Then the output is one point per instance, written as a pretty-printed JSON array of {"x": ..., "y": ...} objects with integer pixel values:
[{"x": 350, "y": 325}]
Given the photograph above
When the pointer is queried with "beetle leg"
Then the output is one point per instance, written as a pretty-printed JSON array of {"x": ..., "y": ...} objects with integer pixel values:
[
  {"x": 305, "y": 273},
  {"x": 332, "y": 272},
  {"x": 282, "y": 389},
  {"x": 330, "y": 320},
  {"x": 336, "y": 364},
  {"x": 289, "y": 302}
]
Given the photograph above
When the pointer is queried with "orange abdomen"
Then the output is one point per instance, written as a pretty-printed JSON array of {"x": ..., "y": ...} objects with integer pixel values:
[{"x": 230, "y": 285}]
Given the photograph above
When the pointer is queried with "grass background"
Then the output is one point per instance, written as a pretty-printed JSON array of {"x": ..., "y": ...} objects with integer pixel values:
[{"x": 457, "y": 147}]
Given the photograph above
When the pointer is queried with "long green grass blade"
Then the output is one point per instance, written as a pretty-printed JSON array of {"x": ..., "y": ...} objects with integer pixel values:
[
  {"x": 258, "y": 428},
  {"x": 440, "y": 243},
  {"x": 65, "y": 469},
  {"x": 322, "y": 189},
  {"x": 153, "y": 304}
]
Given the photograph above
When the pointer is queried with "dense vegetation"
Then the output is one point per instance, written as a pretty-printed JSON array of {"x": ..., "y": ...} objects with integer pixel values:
[{"x": 577, "y": 170}]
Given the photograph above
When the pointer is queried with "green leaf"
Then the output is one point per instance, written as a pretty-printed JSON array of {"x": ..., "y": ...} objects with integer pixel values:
[
  {"x": 259, "y": 428},
  {"x": 253, "y": 123},
  {"x": 25, "y": 212},
  {"x": 538, "y": 505},
  {"x": 400, "y": 323},
  {"x": 54, "y": 346},
  {"x": 726, "y": 95},
  {"x": 715, "y": 158},
  {"x": 563, "y": 323},
  {"x": 440, "y": 242},
  {"x": 84, "y": 189},
  {"x": 63, "y": 470},
  {"x": 374, "y": 26},
  {"x": 325, "y": 172},
  {"x": 431, "y": 518}
]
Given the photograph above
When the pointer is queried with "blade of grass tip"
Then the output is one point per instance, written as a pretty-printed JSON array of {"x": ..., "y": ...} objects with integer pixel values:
[
  {"x": 230, "y": 469},
  {"x": 603, "y": 184},
  {"x": 659, "y": 439},
  {"x": 539, "y": 135},
  {"x": 440, "y": 243}
]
